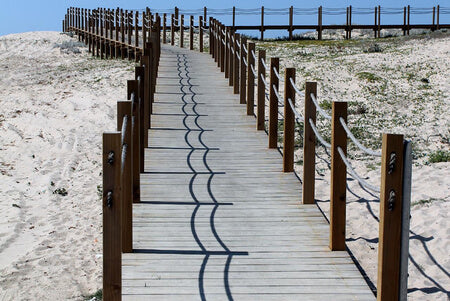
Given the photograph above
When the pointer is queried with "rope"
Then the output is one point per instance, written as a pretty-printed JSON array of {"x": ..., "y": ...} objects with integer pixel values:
[
  {"x": 321, "y": 111},
  {"x": 275, "y": 90},
  {"x": 264, "y": 63},
  {"x": 245, "y": 61},
  {"x": 123, "y": 157},
  {"x": 319, "y": 137},
  {"x": 297, "y": 114},
  {"x": 358, "y": 144},
  {"x": 124, "y": 128},
  {"x": 353, "y": 173},
  {"x": 295, "y": 88},
  {"x": 239, "y": 44},
  {"x": 253, "y": 70},
  {"x": 245, "y": 48},
  {"x": 254, "y": 55},
  {"x": 263, "y": 79},
  {"x": 277, "y": 74}
]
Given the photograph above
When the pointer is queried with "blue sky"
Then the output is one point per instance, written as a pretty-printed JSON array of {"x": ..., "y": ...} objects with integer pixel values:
[{"x": 31, "y": 15}]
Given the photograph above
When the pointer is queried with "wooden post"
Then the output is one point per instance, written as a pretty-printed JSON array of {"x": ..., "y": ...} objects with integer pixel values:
[
  {"x": 236, "y": 60},
  {"x": 243, "y": 77},
  {"x": 182, "y": 31},
  {"x": 231, "y": 58},
  {"x": 262, "y": 23},
  {"x": 434, "y": 19},
  {"x": 309, "y": 145},
  {"x": 250, "y": 80},
  {"x": 289, "y": 122},
  {"x": 273, "y": 103},
  {"x": 319, "y": 17},
  {"x": 133, "y": 89},
  {"x": 227, "y": 52},
  {"x": 140, "y": 73},
  {"x": 391, "y": 196},
  {"x": 177, "y": 19},
  {"x": 437, "y": 18},
  {"x": 338, "y": 196},
  {"x": 124, "y": 109},
  {"x": 234, "y": 18},
  {"x": 200, "y": 38},
  {"x": 404, "y": 20},
  {"x": 136, "y": 35},
  {"x": 346, "y": 24},
  {"x": 350, "y": 22},
  {"x": 261, "y": 103},
  {"x": 130, "y": 35},
  {"x": 409, "y": 15},
  {"x": 145, "y": 61},
  {"x": 210, "y": 35},
  {"x": 291, "y": 21},
  {"x": 205, "y": 14},
  {"x": 379, "y": 21},
  {"x": 164, "y": 28},
  {"x": 375, "y": 28},
  {"x": 191, "y": 34},
  {"x": 221, "y": 47},
  {"x": 112, "y": 220}
]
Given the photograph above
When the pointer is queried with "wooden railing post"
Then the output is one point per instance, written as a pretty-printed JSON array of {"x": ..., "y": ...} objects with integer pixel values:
[
  {"x": 409, "y": 15},
  {"x": 181, "y": 31},
  {"x": 338, "y": 193},
  {"x": 309, "y": 145},
  {"x": 211, "y": 44},
  {"x": 404, "y": 21},
  {"x": 136, "y": 36},
  {"x": 172, "y": 30},
  {"x": 437, "y": 17},
  {"x": 261, "y": 103},
  {"x": 140, "y": 78},
  {"x": 289, "y": 121},
  {"x": 164, "y": 28},
  {"x": 112, "y": 219},
  {"x": 222, "y": 48},
  {"x": 319, "y": 23},
  {"x": 243, "y": 77},
  {"x": 130, "y": 35},
  {"x": 273, "y": 102},
  {"x": 236, "y": 56},
  {"x": 133, "y": 89},
  {"x": 227, "y": 52},
  {"x": 231, "y": 58},
  {"x": 291, "y": 21},
  {"x": 379, "y": 21},
  {"x": 250, "y": 80},
  {"x": 375, "y": 22},
  {"x": 434, "y": 19},
  {"x": 200, "y": 38},
  {"x": 350, "y": 22},
  {"x": 262, "y": 23},
  {"x": 124, "y": 110},
  {"x": 191, "y": 33},
  {"x": 391, "y": 197},
  {"x": 234, "y": 18}
]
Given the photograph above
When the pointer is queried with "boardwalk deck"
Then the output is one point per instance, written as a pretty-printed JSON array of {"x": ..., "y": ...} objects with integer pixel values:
[{"x": 219, "y": 220}]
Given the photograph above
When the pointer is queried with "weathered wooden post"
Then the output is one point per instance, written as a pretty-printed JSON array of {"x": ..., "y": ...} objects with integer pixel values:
[
  {"x": 273, "y": 102},
  {"x": 112, "y": 219},
  {"x": 379, "y": 21},
  {"x": 309, "y": 144},
  {"x": 434, "y": 19},
  {"x": 205, "y": 14},
  {"x": 409, "y": 15},
  {"x": 262, "y": 23},
  {"x": 164, "y": 28},
  {"x": 234, "y": 18},
  {"x": 136, "y": 36},
  {"x": 200, "y": 38},
  {"x": 346, "y": 23},
  {"x": 236, "y": 60},
  {"x": 133, "y": 92},
  {"x": 182, "y": 31},
  {"x": 191, "y": 33},
  {"x": 243, "y": 76},
  {"x": 172, "y": 30},
  {"x": 319, "y": 22},
  {"x": 291, "y": 21},
  {"x": 375, "y": 27},
  {"x": 250, "y": 79},
  {"x": 231, "y": 59},
  {"x": 124, "y": 126},
  {"x": 140, "y": 78},
  {"x": 437, "y": 17},
  {"x": 338, "y": 193},
  {"x": 261, "y": 96},
  {"x": 227, "y": 52},
  {"x": 289, "y": 121},
  {"x": 222, "y": 47},
  {"x": 349, "y": 22},
  {"x": 391, "y": 199},
  {"x": 404, "y": 21},
  {"x": 177, "y": 18},
  {"x": 210, "y": 31}
]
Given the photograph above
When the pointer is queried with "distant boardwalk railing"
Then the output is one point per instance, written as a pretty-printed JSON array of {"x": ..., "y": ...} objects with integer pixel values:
[{"x": 112, "y": 33}]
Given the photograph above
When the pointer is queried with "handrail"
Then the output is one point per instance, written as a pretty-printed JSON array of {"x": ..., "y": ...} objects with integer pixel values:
[
  {"x": 319, "y": 108},
  {"x": 358, "y": 144}
]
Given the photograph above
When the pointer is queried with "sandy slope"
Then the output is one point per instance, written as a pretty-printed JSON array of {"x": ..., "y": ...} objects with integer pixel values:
[
  {"x": 55, "y": 104},
  {"x": 54, "y": 107}
]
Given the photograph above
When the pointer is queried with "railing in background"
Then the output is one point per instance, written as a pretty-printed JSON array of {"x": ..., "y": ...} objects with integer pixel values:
[
  {"x": 395, "y": 183},
  {"x": 116, "y": 34}
]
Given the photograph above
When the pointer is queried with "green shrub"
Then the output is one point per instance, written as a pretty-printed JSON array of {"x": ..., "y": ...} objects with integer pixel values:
[{"x": 439, "y": 156}]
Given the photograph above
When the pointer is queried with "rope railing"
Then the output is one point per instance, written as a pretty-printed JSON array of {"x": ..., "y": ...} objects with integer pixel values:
[
  {"x": 297, "y": 114},
  {"x": 299, "y": 93},
  {"x": 358, "y": 144},
  {"x": 319, "y": 108},
  {"x": 318, "y": 135}
]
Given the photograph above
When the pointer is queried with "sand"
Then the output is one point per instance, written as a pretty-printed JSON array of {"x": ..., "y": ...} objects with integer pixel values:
[{"x": 56, "y": 100}]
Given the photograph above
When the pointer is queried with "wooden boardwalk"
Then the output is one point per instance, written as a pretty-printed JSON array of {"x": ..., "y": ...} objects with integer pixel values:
[{"x": 219, "y": 220}]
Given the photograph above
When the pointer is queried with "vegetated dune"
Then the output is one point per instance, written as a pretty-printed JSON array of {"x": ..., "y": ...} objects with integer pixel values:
[{"x": 57, "y": 100}]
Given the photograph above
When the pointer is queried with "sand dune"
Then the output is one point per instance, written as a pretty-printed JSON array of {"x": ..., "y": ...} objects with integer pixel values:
[{"x": 56, "y": 100}]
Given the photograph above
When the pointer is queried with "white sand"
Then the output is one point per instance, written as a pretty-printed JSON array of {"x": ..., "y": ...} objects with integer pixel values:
[
  {"x": 55, "y": 105},
  {"x": 54, "y": 108}
]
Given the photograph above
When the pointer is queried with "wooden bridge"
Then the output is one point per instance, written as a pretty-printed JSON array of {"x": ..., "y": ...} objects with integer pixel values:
[
  {"x": 218, "y": 219},
  {"x": 201, "y": 206}
]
